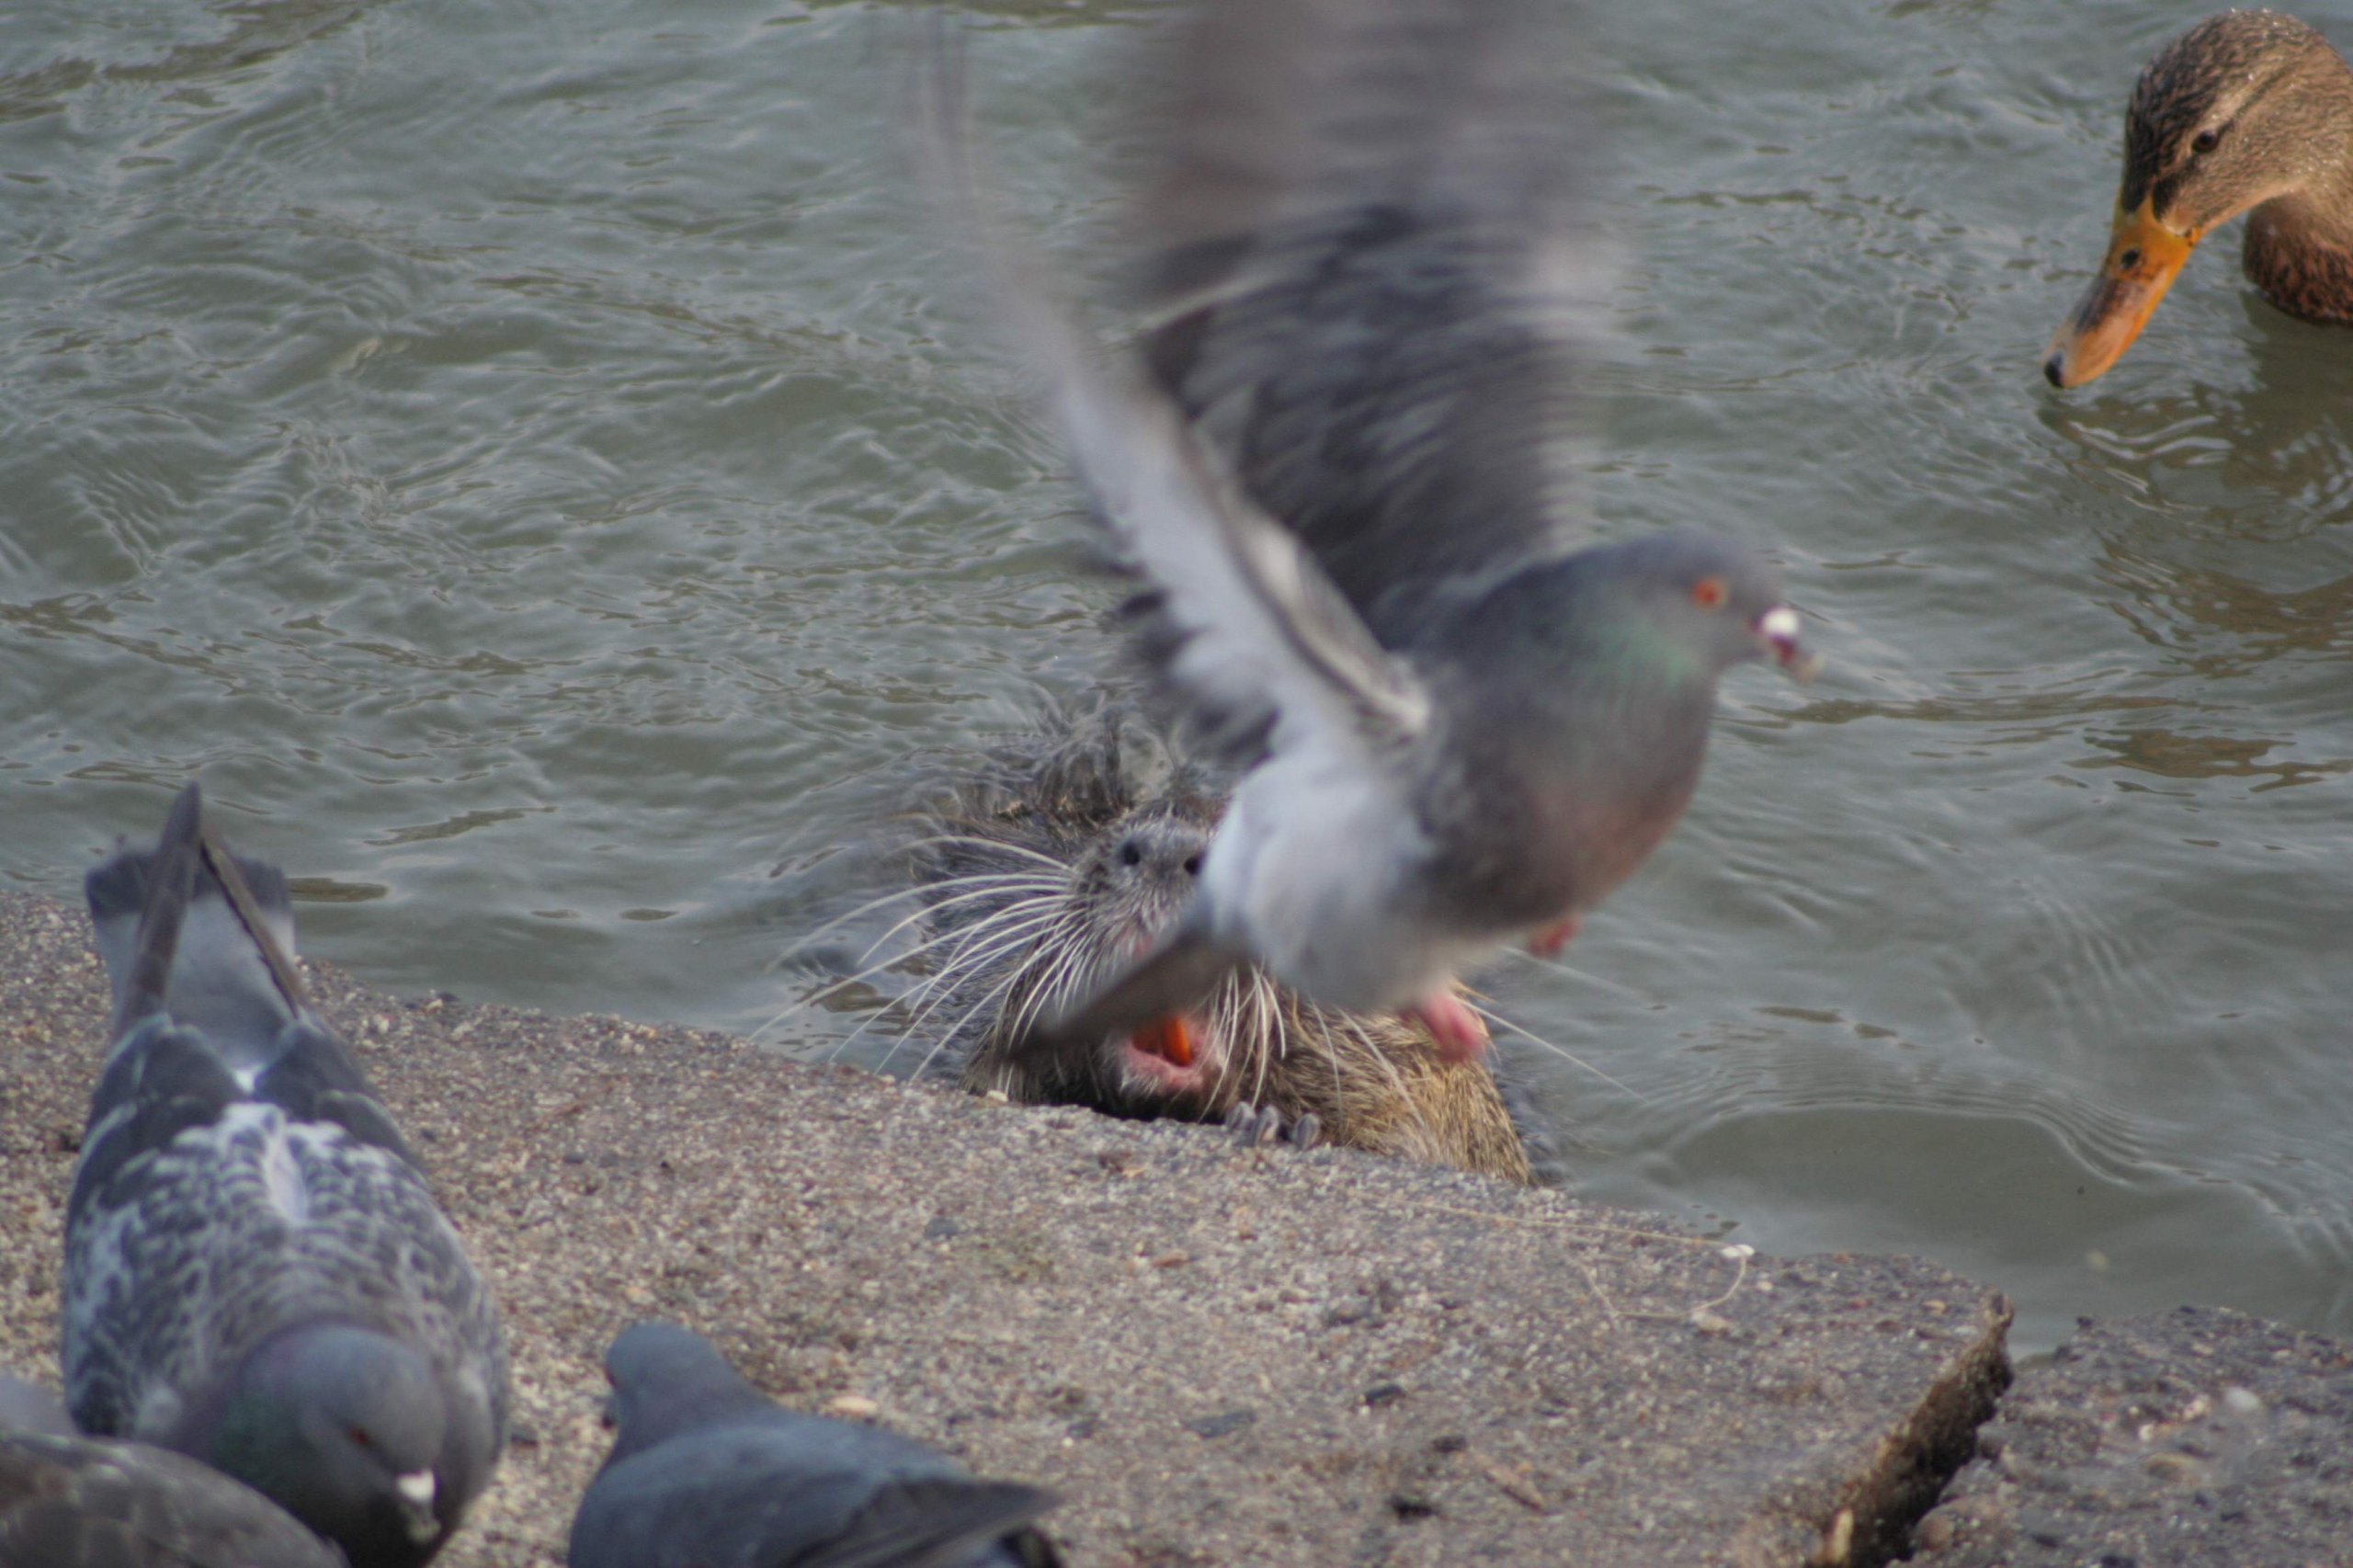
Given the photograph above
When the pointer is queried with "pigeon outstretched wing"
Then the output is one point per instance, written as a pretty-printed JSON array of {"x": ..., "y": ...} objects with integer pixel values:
[{"x": 1370, "y": 271}]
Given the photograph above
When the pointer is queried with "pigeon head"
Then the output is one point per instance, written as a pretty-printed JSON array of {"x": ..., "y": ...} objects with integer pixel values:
[
  {"x": 1656, "y": 619},
  {"x": 1598, "y": 670},
  {"x": 1691, "y": 605},
  {"x": 343, "y": 1428},
  {"x": 668, "y": 1379}
]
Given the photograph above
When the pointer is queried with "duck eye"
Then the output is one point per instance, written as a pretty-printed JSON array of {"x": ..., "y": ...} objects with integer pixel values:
[
  {"x": 1708, "y": 593},
  {"x": 2206, "y": 141}
]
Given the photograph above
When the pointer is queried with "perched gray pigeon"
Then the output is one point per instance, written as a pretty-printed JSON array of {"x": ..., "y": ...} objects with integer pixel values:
[
  {"x": 707, "y": 1472},
  {"x": 67, "y": 1501},
  {"x": 1337, "y": 469},
  {"x": 255, "y": 1273}
]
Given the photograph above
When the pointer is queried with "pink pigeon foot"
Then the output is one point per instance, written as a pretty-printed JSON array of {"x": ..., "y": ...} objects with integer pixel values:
[
  {"x": 1461, "y": 1033},
  {"x": 1548, "y": 943}
]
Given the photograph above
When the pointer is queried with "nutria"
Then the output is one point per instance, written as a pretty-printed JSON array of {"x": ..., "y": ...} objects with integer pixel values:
[{"x": 1052, "y": 865}]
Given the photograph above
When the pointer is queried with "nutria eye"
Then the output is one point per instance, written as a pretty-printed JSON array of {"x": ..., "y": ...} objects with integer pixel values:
[
  {"x": 2206, "y": 141},
  {"x": 1192, "y": 865},
  {"x": 1129, "y": 854},
  {"x": 1708, "y": 593}
]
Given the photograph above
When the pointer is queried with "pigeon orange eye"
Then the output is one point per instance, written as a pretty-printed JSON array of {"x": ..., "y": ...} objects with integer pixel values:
[
  {"x": 1708, "y": 593},
  {"x": 359, "y": 1435}
]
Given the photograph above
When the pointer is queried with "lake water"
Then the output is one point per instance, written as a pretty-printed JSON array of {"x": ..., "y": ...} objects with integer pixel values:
[{"x": 537, "y": 465}]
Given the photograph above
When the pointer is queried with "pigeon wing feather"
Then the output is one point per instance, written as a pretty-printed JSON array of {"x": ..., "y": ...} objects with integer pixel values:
[
  {"x": 1257, "y": 637},
  {"x": 1369, "y": 274},
  {"x": 1252, "y": 632}
]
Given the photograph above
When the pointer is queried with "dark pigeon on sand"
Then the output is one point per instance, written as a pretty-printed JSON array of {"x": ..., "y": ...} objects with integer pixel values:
[
  {"x": 256, "y": 1272},
  {"x": 1336, "y": 466},
  {"x": 67, "y": 1501},
  {"x": 707, "y": 1472}
]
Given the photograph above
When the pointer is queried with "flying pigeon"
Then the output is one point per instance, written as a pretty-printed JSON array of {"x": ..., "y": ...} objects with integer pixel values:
[
  {"x": 256, "y": 1272},
  {"x": 67, "y": 1501},
  {"x": 707, "y": 1472},
  {"x": 1336, "y": 466}
]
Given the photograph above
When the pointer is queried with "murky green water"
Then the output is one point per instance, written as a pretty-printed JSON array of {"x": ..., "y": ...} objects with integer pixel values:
[{"x": 535, "y": 465}]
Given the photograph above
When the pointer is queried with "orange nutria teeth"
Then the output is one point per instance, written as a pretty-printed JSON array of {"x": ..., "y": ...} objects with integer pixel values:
[{"x": 1167, "y": 1037}]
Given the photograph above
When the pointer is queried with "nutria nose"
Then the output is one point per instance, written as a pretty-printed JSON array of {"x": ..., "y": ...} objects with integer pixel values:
[{"x": 1160, "y": 852}]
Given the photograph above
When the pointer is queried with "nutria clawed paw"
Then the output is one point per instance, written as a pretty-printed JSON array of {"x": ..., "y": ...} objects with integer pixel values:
[{"x": 1258, "y": 1126}]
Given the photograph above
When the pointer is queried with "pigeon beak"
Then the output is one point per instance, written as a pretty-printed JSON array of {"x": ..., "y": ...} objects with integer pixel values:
[
  {"x": 2144, "y": 256},
  {"x": 1777, "y": 634},
  {"x": 415, "y": 1490}
]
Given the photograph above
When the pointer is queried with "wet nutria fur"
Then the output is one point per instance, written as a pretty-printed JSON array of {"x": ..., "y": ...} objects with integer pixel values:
[{"x": 1052, "y": 867}]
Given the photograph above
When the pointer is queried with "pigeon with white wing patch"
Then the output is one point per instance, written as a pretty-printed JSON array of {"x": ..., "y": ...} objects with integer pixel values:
[{"x": 256, "y": 1272}]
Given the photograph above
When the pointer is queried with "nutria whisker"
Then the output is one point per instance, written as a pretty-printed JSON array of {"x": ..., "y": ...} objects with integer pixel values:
[
  {"x": 898, "y": 959},
  {"x": 1225, "y": 1016},
  {"x": 810, "y": 938},
  {"x": 1388, "y": 1070},
  {"x": 1582, "y": 977},
  {"x": 1562, "y": 1051},
  {"x": 934, "y": 906},
  {"x": 954, "y": 1032},
  {"x": 999, "y": 934},
  {"x": 897, "y": 1004},
  {"x": 1339, "y": 1088},
  {"x": 833, "y": 987},
  {"x": 992, "y": 845},
  {"x": 1066, "y": 974},
  {"x": 990, "y": 934},
  {"x": 1008, "y": 884},
  {"x": 1266, "y": 1056}
]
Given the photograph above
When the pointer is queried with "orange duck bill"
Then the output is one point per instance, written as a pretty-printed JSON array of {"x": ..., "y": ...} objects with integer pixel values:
[{"x": 2143, "y": 257}]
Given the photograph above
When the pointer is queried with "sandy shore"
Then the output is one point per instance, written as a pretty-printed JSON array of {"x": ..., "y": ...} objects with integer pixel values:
[{"x": 1215, "y": 1354}]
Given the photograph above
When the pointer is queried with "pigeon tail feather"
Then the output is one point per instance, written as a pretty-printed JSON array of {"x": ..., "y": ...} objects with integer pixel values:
[
  {"x": 157, "y": 890},
  {"x": 187, "y": 928},
  {"x": 933, "y": 1522}
]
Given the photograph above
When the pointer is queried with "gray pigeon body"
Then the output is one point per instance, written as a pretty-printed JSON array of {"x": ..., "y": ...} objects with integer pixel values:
[
  {"x": 1337, "y": 465},
  {"x": 256, "y": 1272},
  {"x": 707, "y": 1472},
  {"x": 67, "y": 1501}
]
